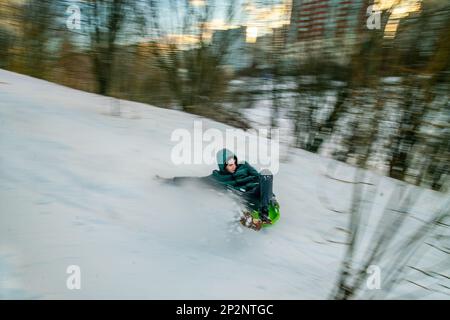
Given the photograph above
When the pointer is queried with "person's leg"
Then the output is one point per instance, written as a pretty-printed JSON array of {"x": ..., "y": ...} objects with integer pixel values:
[
  {"x": 251, "y": 198},
  {"x": 265, "y": 193}
]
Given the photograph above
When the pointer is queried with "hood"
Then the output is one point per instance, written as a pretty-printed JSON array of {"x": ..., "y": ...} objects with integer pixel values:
[{"x": 222, "y": 157}]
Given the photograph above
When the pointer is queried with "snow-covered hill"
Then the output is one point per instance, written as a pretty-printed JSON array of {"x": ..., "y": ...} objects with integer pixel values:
[{"x": 77, "y": 188}]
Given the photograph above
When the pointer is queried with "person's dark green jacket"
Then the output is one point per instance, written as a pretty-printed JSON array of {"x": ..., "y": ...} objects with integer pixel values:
[{"x": 244, "y": 178}]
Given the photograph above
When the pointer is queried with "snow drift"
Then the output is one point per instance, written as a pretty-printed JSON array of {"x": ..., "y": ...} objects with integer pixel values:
[{"x": 77, "y": 188}]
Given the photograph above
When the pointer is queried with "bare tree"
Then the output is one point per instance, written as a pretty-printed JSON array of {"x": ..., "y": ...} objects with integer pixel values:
[
  {"x": 106, "y": 19},
  {"x": 394, "y": 244}
]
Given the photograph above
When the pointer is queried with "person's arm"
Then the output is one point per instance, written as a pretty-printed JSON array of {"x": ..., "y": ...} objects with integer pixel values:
[
  {"x": 250, "y": 179},
  {"x": 224, "y": 180},
  {"x": 179, "y": 180},
  {"x": 252, "y": 171}
]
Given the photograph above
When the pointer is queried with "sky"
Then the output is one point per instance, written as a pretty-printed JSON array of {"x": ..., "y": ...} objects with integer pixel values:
[{"x": 258, "y": 16}]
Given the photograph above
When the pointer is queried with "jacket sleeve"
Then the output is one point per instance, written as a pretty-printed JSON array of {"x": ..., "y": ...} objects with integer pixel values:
[
  {"x": 252, "y": 171},
  {"x": 181, "y": 180},
  {"x": 219, "y": 179}
]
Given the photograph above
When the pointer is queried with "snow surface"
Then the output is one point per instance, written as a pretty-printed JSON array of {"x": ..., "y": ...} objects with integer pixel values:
[{"x": 77, "y": 187}]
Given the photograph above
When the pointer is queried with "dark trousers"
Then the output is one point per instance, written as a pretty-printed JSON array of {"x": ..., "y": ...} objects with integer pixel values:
[{"x": 260, "y": 196}]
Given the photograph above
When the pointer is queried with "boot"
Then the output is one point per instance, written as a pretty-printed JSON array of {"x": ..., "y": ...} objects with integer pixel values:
[{"x": 264, "y": 216}]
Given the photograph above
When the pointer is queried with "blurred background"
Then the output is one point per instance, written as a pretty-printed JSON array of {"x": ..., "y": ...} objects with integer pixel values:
[{"x": 365, "y": 82}]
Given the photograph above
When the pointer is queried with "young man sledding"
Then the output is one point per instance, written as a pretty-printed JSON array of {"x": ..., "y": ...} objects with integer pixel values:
[{"x": 242, "y": 179}]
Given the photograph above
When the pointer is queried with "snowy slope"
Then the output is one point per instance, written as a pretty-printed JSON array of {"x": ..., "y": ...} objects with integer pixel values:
[{"x": 77, "y": 188}]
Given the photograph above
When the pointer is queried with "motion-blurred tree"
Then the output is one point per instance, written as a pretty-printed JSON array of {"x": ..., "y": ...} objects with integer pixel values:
[
  {"x": 105, "y": 19},
  {"x": 36, "y": 28}
]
